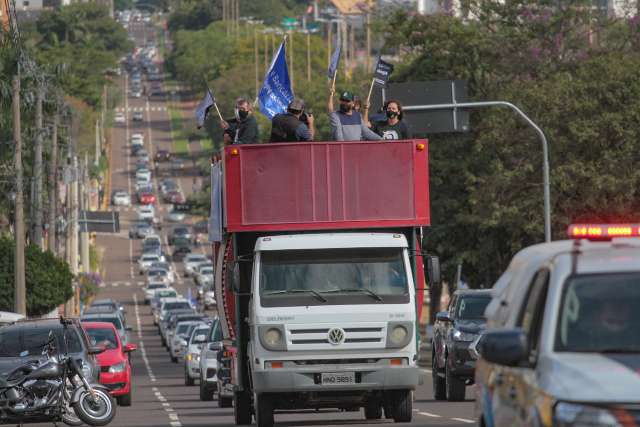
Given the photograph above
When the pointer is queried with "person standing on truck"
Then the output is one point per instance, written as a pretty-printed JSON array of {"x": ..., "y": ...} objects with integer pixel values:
[
  {"x": 347, "y": 124},
  {"x": 243, "y": 128},
  {"x": 291, "y": 126},
  {"x": 393, "y": 127}
]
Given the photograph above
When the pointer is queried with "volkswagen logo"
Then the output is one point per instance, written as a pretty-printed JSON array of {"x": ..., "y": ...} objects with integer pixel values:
[{"x": 336, "y": 336}]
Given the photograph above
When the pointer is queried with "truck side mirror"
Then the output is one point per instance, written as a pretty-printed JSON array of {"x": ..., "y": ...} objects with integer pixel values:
[
  {"x": 234, "y": 277},
  {"x": 433, "y": 270}
]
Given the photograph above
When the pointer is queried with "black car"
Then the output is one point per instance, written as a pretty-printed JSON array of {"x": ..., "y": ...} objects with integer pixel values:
[
  {"x": 181, "y": 248},
  {"x": 180, "y": 232},
  {"x": 453, "y": 364},
  {"x": 23, "y": 341}
]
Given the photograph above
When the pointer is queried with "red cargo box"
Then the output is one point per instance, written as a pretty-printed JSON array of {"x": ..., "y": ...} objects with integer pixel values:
[{"x": 326, "y": 185}]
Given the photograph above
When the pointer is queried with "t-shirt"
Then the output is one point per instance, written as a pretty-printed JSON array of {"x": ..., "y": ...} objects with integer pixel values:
[
  {"x": 243, "y": 132},
  {"x": 398, "y": 131},
  {"x": 350, "y": 127}
]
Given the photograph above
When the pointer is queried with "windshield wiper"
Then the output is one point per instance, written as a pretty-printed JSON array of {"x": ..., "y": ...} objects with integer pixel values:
[
  {"x": 366, "y": 291},
  {"x": 295, "y": 291}
]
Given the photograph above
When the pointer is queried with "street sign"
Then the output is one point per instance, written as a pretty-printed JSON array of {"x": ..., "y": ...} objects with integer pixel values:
[
  {"x": 99, "y": 221},
  {"x": 426, "y": 93},
  {"x": 289, "y": 23}
]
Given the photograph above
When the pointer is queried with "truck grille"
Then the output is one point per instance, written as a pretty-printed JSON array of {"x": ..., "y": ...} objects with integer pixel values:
[{"x": 307, "y": 337}]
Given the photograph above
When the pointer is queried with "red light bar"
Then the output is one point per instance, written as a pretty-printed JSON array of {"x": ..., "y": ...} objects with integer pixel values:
[{"x": 603, "y": 231}]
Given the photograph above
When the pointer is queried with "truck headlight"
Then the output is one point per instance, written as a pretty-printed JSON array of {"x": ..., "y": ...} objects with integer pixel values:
[
  {"x": 572, "y": 414},
  {"x": 272, "y": 337},
  {"x": 463, "y": 336},
  {"x": 399, "y": 334},
  {"x": 117, "y": 368}
]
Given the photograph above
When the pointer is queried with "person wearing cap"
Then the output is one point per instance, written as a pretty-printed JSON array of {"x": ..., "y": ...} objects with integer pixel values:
[
  {"x": 347, "y": 124},
  {"x": 243, "y": 128},
  {"x": 288, "y": 127}
]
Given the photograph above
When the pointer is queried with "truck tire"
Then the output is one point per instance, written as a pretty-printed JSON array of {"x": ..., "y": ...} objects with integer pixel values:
[
  {"x": 263, "y": 410},
  {"x": 455, "y": 386},
  {"x": 439, "y": 384},
  {"x": 206, "y": 393},
  {"x": 402, "y": 406},
  {"x": 242, "y": 408},
  {"x": 373, "y": 411}
]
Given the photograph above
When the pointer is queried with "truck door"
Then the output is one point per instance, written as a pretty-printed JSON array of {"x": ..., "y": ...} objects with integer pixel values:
[{"x": 517, "y": 387}]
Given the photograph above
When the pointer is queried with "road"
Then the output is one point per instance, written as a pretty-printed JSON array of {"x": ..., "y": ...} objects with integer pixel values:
[{"x": 160, "y": 397}]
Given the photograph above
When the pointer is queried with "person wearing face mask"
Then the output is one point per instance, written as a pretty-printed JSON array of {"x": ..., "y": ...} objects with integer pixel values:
[
  {"x": 347, "y": 124},
  {"x": 393, "y": 127},
  {"x": 243, "y": 128}
]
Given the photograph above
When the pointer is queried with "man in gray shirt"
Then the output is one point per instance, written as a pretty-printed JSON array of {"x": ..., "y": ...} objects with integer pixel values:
[{"x": 347, "y": 124}]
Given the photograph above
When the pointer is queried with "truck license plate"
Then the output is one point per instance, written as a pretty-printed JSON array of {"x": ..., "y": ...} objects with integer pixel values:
[{"x": 337, "y": 378}]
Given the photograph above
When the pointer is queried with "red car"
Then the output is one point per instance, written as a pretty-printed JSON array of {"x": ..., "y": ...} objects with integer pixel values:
[
  {"x": 115, "y": 368},
  {"x": 147, "y": 198},
  {"x": 175, "y": 197}
]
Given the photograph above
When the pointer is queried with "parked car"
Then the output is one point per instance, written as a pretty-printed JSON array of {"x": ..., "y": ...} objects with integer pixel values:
[
  {"x": 108, "y": 302},
  {"x": 453, "y": 365},
  {"x": 115, "y": 320},
  {"x": 211, "y": 377},
  {"x": 197, "y": 340},
  {"x": 163, "y": 156},
  {"x": 119, "y": 118},
  {"x": 115, "y": 368},
  {"x": 121, "y": 198},
  {"x": 22, "y": 341},
  {"x": 137, "y": 116}
]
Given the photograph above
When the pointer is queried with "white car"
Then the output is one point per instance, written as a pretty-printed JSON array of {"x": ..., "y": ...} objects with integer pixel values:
[
  {"x": 119, "y": 118},
  {"x": 209, "y": 298},
  {"x": 151, "y": 288},
  {"x": 203, "y": 265},
  {"x": 158, "y": 274},
  {"x": 179, "y": 339},
  {"x": 143, "y": 173},
  {"x": 145, "y": 261},
  {"x": 159, "y": 297},
  {"x": 137, "y": 139},
  {"x": 143, "y": 183},
  {"x": 147, "y": 212},
  {"x": 168, "y": 267},
  {"x": 209, "y": 366},
  {"x": 121, "y": 198},
  {"x": 197, "y": 340},
  {"x": 191, "y": 261},
  {"x": 175, "y": 216},
  {"x": 204, "y": 278}
]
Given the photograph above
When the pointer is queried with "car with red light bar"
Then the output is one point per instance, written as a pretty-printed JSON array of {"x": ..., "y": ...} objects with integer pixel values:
[
  {"x": 115, "y": 369},
  {"x": 561, "y": 346}
]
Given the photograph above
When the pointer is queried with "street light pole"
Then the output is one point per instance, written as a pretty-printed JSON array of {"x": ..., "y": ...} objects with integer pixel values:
[
  {"x": 20, "y": 294},
  {"x": 541, "y": 136}
]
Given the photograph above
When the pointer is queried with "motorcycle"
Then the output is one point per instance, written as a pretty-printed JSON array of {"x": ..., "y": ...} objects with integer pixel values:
[{"x": 54, "y": 389}]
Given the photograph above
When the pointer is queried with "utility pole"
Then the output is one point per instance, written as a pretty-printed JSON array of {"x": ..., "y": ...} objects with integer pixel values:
[
  {"x": 308, "y": 56},
  {"x": 53, "y": 184},
  {"x": 20, "y": 293},
  {"x": 36, "y": 215},
  {"x": 97, "y": 160},
  {"x": 237, "y": 17},
  {"x": 255, "y": 54},
  {"x": 345, "y": 51},
  {"x": 368, "y": 35},
  {"x": 291, "y": 60},
  {"x": 84, "y": 206},
  {"x": 329, "y": 36},
  {"x": 266, "y": 52}
]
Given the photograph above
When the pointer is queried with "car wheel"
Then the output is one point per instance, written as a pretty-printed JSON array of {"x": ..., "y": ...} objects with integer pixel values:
[
  {"x": 125, "y": 399},
  {"x": 188, "y": 381},
  {"x": 439, "y": 385},
  {"x": 455, "y": 386},
  {"x": 206, "y": 393}
]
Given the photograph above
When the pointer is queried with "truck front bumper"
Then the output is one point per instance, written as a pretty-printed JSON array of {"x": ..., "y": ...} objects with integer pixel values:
[{"x": 308, "y": 379}]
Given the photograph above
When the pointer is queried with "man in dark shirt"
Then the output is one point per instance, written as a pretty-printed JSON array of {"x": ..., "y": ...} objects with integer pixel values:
[
  {"x": 288, "y": 127},
  {"x": 393, "y": 127},
  {"x": 243, "y": 128}
]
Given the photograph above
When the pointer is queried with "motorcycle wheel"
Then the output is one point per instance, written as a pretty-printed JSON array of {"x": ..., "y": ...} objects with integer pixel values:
[{"x": 98, "y": 412}]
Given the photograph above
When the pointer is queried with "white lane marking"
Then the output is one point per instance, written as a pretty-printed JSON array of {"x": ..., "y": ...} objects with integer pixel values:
[
  {"x": 426, "y": 371},
  {"x": 173, "y": 416},
  {"x": 175, "y": 424},
  {"x": 143, "y": 351},
  {"x": 463, "y": 420},
  {"x": 429, "y": 414},
  {"x": 102, "y": 285},
  {"x": 131, "y": 258},
  {"x": 115, "y": 284},
  {"x": 127, "y": 284}
]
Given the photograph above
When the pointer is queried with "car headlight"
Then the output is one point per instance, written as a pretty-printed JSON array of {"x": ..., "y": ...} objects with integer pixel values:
[
  {"x": 117, "y": 368},
  {"x": 399, "y": 334},
  {"x": 463, "y": 336},
  {"x": 272, "y": 337},
  {"x": 193, "y": 356},
  {"x": 572, "y": 414}
]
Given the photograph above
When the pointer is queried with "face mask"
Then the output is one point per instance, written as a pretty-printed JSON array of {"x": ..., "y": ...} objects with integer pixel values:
[
  {"x": 345, "y": 108},
  {"x": 392, "y": 114},
  {"x": 242, "y": 114}
]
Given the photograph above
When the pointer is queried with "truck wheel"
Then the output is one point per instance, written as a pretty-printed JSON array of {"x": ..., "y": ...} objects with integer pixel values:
[
  {"x": 242, "y": 408},
  {"x": 439, "y": 385},
  {"x": 263, "y": 410},
  {"x": 402, "y": 406},
  {"x": 206, "y": 394},
  {"x": 455, "y": 386},
  {"x": 373, "y": 411},
  {"x": 224, "y": 402}
]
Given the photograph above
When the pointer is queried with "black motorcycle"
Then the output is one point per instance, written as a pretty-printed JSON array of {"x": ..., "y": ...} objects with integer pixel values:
[{"x": 53, "y": 389}]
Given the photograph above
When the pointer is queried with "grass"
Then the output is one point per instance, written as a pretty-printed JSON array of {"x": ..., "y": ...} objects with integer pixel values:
[
  {"x": 180, "y": 143},
  {"x": 207, "y": 145}
]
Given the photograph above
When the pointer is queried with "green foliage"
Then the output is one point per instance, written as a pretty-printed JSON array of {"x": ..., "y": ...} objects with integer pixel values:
[
  {"x": 194, "y": 15},
  {"x": 48, "y": 279}
]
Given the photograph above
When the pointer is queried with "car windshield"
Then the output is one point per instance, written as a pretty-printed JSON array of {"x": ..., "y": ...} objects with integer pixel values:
[
  {"x": 103, "y": 337},
  {"x": 176, "y": 305},
  {"x": 156, "y": 285},
  {"x": 27, "y": 340},
  {"x": 115, "y": 321},
  {"x": 599, "y": 314},
  {"x": 166, "y": 294},
  {"x": 472, "y": 307},
  {"x": 157, "y": 272},
  {"x": 207, "y": 271},
  {"x": 195, "y": 258},
  {"x": 196, "y": 334},
  {"x": 182, "y": 329},
  {"x": 333, "y": 276},
  {"x": 150, "y": 258}
]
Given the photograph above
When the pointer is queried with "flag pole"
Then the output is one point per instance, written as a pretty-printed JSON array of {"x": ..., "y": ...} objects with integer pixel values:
[
  {"x": 215, "y": 104},
  {"x": 366, "y": 106}
]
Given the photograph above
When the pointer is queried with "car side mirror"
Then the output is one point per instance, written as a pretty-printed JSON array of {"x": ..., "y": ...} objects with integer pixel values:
[
  {"x": 199, "y": 339},
  {"x": 130, "y": 347},
  {"x": 506, "y": 347},
  {"x": 433, "y": 270},
  {"x": 443, "y": 316},
  {"x": 95, "y": 349},
  {"x": 215, "y": 346}
]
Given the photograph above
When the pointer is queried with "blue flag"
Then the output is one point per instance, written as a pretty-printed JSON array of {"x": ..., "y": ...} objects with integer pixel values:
[
  {"x": 275, "y": 95},
  {"x": 335, "y": 60},
  {"x": 203, "y": 108}
]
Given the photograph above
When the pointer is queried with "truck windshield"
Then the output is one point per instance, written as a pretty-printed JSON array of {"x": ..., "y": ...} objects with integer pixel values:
[
  {"x": 599, "y": 314},
  {"x": 333, "y": 276}
]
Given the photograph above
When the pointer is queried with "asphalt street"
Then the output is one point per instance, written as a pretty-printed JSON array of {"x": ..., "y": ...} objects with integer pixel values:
[{"x": 160, "y": 397}]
